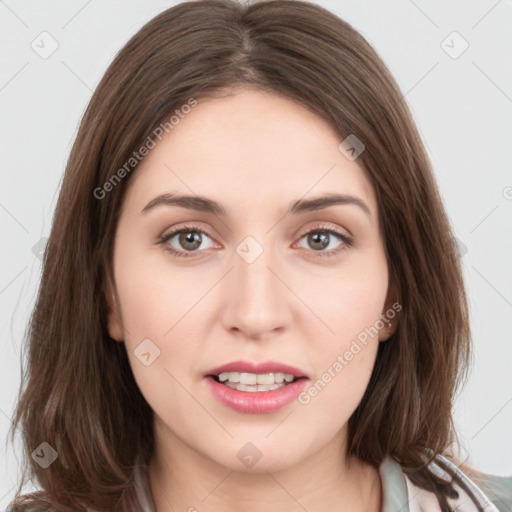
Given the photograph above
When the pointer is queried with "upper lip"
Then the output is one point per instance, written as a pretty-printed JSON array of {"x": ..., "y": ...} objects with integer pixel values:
[{"x": 257, "y": 368}]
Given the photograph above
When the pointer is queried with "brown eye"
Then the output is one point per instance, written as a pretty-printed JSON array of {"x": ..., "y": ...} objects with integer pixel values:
[
  {"x": 321, "y": 238},
  {"x": 318, "y": 240},
  {"x": 188, "y": 240}
]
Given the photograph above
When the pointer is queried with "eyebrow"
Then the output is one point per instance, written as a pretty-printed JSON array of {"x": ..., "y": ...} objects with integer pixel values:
[{"x": 206, "y": 205}]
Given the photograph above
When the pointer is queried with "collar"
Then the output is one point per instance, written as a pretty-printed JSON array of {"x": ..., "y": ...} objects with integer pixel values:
[{"x": 401, "y": 495}]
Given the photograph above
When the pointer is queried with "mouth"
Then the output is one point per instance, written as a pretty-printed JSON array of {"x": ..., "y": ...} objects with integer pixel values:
[
  {"x": 254, "y": 377},
  {"x": 258, "y": 391}
]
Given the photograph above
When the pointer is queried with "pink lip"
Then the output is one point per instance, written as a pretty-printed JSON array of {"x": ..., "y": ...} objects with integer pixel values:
[
  {"x": 256, "y": 402},
  {"x": 249, "y": 367}
]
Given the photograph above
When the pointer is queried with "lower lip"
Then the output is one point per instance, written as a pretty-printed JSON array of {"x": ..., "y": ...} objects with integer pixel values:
[{"x": 256, "y": 402}]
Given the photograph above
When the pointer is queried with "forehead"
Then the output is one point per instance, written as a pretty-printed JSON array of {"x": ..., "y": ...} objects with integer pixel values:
[{"x": 248, "y": 148}]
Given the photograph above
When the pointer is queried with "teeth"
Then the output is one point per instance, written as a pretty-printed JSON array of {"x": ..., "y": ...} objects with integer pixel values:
[
  {"x": 252, "y": 387},
  {"x": 250, "y": 379}
]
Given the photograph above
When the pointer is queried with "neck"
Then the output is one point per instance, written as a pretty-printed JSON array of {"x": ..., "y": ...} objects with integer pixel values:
[{"x": 183, "y": 479}]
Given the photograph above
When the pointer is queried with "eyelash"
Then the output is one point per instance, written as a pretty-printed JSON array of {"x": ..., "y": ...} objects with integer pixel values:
[{"x": 348, "y": 241}]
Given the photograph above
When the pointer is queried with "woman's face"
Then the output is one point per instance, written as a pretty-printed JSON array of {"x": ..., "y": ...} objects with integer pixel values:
[{"x": 260, "y": 283}]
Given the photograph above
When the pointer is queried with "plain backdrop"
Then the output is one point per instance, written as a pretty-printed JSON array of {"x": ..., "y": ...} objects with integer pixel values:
[{"x": 453, "y": 63}]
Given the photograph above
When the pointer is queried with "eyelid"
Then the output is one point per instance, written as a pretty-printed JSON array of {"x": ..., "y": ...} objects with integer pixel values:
[
  {"x": 191, "y": 226},
  {"x": 326, "y": 226}
]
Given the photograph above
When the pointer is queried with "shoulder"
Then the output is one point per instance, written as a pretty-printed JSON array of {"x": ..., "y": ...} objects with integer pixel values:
[
  {"x": 492, "y": 493},
  {"x": 497, "y": 488},
  {"x": 475, "y": 491}
]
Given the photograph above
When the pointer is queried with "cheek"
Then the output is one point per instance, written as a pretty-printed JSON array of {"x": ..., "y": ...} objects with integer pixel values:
[
  {"x": 349, "y": 302},
  {"x": 152, "y": 298},
  {"x": 160, "y": 344},
  {"x": 344, "y": 371},
  {"x": 162, "y": 331},
  {"x": 349, "y": 306}
]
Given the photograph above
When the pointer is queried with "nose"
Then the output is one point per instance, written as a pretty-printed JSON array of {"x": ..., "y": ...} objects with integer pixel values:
[{"x": 256, "y": 296}]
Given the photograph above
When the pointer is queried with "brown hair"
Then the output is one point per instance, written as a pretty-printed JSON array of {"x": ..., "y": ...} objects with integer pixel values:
[{"x": 79, "y": 394}]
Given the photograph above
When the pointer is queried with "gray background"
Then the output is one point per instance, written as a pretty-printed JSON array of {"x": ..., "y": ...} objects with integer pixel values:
[{"x": 462, "y": 106}]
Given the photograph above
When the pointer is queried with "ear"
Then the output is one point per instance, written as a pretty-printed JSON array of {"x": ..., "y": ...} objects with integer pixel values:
[
  {"x": 390, "y": 313},
  {"x": 114, "y": 320}
]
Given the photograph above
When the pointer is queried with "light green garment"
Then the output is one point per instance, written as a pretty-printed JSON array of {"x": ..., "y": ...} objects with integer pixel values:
[{"x": 488, "y": 494}]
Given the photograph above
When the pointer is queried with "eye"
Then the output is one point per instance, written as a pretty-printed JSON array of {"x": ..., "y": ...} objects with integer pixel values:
[
  {"x": 321, "y": 238},
  {"x": 190, "y": 238}
]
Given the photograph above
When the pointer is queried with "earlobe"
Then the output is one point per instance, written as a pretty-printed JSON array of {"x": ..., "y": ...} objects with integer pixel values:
[
  {"x": 389, "y": 328},
  {"x": 390, "y": 314}
]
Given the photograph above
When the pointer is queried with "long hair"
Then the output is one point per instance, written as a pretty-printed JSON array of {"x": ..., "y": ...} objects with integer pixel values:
[{"x": 78, "y": 393}]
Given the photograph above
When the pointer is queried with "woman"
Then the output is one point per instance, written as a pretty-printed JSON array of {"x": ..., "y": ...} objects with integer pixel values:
[{"x": 251, "y": 296}]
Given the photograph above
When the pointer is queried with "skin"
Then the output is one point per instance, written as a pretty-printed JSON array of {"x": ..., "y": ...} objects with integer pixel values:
[{"x": 253, "y": 152}]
